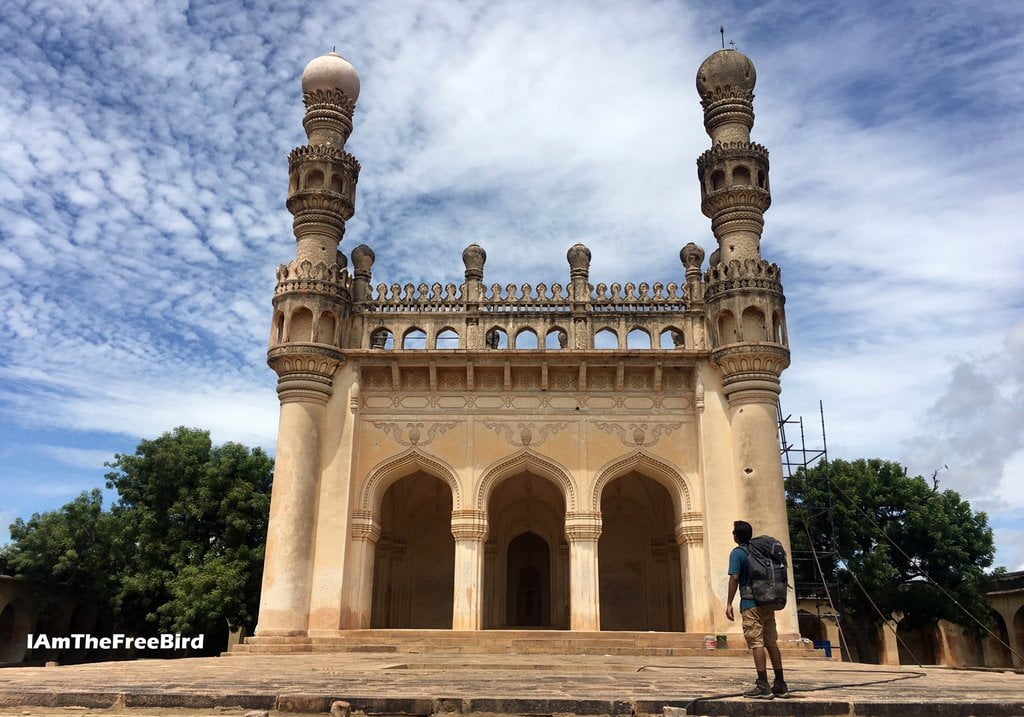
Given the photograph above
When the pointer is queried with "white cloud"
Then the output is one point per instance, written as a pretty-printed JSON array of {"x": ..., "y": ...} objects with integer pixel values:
[{"x": 142, "y": 183}]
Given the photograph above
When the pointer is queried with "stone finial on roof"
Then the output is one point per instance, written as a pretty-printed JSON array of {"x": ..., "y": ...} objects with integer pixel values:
[{"x": 474, "y": 257}]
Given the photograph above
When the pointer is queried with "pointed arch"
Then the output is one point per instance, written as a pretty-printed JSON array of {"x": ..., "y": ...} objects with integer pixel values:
[
  {"x": 521, "y": 462},
  {"x": 643, "y": 462},
  {"x": 384, "y": 474}
]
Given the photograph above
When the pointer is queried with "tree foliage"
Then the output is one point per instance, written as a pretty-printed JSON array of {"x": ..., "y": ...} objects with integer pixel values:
[
  {"x": 180, "y": 550},
  {"x": 899, "y": 536}
]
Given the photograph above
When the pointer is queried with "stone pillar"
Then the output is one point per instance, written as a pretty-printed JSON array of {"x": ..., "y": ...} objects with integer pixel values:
[
  {"x": 492, "y": 614},
  {"x": 582, "y": 530},
  {"x": 689, "y": 534},
  {"x": 889, "y": 646},
  {"x": 365, "y": 534},
  {"x": 304, "y": 386},
  {"x": 469, "y": 527}
]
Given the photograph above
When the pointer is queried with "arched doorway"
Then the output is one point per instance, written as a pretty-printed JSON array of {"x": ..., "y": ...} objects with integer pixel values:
[
  {"x": 917, "y": 643},
  {"x": 996, "y": 648},
  {"x": 811, "y": 626},
  {"x": 640, "y": 576},
  {"x": 526, "y": 568},
  {"x": 414, "y": 569},
  {"x": 528, "y": 582},
  {"x": 15, "y": 624}
]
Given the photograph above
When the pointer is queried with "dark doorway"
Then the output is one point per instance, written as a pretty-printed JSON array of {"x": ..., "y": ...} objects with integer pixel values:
[{"x": 529, "y": 582}]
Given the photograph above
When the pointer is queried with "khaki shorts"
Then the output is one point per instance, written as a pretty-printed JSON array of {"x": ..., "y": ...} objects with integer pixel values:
[{"x": 759, "y": 627}]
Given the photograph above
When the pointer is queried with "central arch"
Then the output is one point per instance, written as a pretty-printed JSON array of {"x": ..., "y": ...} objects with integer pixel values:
[{"x": 526, "y": 565}]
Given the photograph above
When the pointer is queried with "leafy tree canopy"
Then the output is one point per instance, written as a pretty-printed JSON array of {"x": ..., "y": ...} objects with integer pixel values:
[
  {"x": 182, "y": 548},
  {"x": 898, "y": 535}
]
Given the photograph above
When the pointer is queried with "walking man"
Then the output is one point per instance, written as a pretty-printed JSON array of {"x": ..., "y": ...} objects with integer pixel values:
[{"x": 758, "y": 621}]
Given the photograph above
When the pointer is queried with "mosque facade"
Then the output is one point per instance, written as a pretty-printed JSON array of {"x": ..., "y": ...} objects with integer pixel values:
[{"x": 563, "y": 456}]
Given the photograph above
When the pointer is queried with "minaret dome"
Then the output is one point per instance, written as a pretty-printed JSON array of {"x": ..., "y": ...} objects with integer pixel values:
[
  {"x": 331, "y": 72},
  {"x": 725, "y": 69}
]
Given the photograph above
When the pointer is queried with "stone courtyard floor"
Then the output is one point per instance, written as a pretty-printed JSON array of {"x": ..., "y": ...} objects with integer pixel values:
[{"x": 491, "y": 685}]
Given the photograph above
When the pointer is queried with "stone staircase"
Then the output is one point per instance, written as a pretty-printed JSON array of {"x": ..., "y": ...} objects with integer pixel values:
[{"x": 503, "y": 642}]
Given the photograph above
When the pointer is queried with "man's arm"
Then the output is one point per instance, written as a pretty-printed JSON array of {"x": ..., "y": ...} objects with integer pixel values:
[{"x": 734, "y": 584}]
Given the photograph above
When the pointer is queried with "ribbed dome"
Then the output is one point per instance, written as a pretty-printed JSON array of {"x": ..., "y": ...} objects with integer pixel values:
[{"x": 331, "y": 72}]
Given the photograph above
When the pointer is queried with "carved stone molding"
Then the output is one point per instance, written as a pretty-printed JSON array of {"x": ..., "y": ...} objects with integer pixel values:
[
  {"x": 469, "y": 524},
  {"x": 639, "y": 435},
  {"x": 527, "y": 434},
  {"x": 365, "y": 526},
  {"x": 582, "y": 526},
  {"x": 690, "y": 528},
  {"x": 413, "y": 434},
  {"x": 304, "y": 371}
]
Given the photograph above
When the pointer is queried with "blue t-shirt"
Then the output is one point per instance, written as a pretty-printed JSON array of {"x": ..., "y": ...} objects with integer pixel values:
[{"x": 737, "y": 559}]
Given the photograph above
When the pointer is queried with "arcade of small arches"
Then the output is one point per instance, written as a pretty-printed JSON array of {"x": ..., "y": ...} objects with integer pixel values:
[
  {"x": 302, "y": 325},
  {"x": 555, "y": 338},
  {"x": 527, "y": 515}
]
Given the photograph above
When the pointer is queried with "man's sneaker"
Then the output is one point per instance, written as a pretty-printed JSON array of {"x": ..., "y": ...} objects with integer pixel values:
[
  {"x": 780, "y": 689},
  {"x": 761, "y": 691}
]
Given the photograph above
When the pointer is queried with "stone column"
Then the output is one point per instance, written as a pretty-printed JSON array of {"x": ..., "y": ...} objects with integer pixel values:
[
  {"x": 365, "y": 534},
  {"x": 304, "y": 386},
  {"x": 889, "y": 646},
  {"x": 582, "y": 530},
  {"x": 492, "y": 616},
  {"x": 469, "y": 527},
  {"x": 689, "y": 533}
]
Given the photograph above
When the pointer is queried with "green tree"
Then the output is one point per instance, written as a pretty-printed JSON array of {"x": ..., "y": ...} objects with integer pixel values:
[
  {"x": 182, "y": 548},
  {"x": 899, "y": 536},
  {"x": 197, "y": 515},
  {"x": 73, "y": 547}
]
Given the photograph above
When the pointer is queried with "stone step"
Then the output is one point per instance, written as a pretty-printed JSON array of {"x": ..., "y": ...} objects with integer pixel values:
[{"x": 538, "y": 642}]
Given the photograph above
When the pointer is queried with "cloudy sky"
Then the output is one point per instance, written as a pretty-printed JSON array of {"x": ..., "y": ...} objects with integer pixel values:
[{"x": 143, "y": 174}]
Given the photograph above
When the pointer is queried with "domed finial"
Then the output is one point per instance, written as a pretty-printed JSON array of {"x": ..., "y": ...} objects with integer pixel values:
[
  {"x": 692, "y": 257},
  {"x": 331, "y": 72},
  {"x": 726, "y": 71},
  {"x": 363, "y": 257},
  {"x": 579, "y": 258},
  {"x": 474, "y": 257}
]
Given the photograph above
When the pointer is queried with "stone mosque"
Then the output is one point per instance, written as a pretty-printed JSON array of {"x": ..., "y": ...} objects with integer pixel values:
[{"x": 552, "y": 457}]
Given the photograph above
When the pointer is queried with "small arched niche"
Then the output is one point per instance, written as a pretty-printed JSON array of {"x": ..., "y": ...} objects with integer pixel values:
[
  {"x": 336, "y": 184},
  {"x": 414, "y": 339},
  {"x": 315, "y": 179},
  {"x": 277, "y": 328},
  {"x": 754, "y": 328},
  {"x": 671, "y": 338},
  {"x": 448, "y": 338},
  {"x": 741, "y": 175},
  {"x": 301, "y": 325},
  {"x": 556, "y": 339},
  {"x": 606, "y": 339},
  {"x": 496, "y": 338},
  {"x": 382, "y": 338},
  {"x": 726, "y": 327},
  {"x": 326, "y": 328},
  {"x": 527, "y": 339},
  {"x": 638, "y": 339},
  {"x": 717, "y": 180}
]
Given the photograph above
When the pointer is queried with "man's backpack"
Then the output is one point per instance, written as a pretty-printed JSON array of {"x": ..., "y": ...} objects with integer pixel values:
[{"x": 766, "y": 572}]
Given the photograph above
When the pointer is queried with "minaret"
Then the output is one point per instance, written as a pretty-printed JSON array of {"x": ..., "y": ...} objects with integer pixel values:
[
  {"x": 744, "y": 303},
  {"x": 312, "y": 303}
]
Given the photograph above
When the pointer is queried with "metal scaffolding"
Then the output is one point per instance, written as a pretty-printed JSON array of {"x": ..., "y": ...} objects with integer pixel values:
[{"x": 799, "y": 457}]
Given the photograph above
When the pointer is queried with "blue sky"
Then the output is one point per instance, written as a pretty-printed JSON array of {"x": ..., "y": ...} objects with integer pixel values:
[{"x": 143, "y": 174}]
